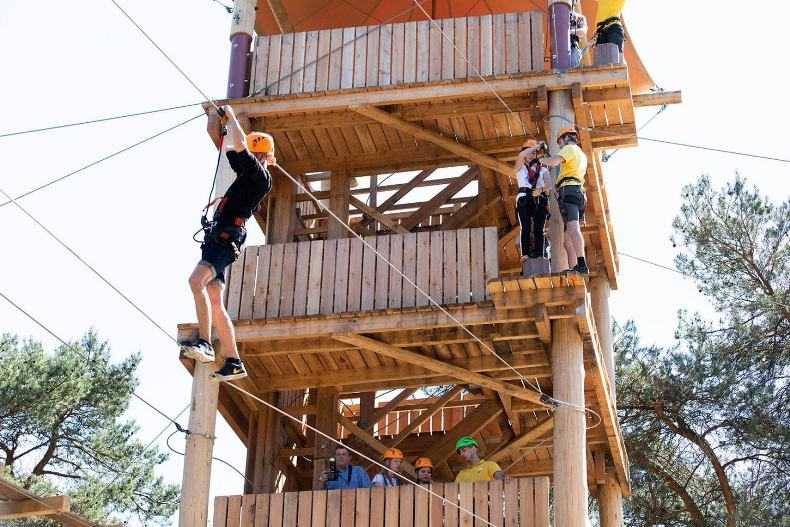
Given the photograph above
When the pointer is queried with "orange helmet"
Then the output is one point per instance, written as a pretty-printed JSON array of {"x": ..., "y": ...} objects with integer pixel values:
[
  {"x": 260, "y": 142},
  {"x": 529, "y": 143},
  {"x": 423, "y": 462},
  {"x": 566, "y": 131},
  {"x": 392, "y": 453}
]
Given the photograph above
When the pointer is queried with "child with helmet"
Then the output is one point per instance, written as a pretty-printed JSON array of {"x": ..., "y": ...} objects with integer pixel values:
[
  {"x": 393, "y": 459},
  {"x": 423, "y": 469}
]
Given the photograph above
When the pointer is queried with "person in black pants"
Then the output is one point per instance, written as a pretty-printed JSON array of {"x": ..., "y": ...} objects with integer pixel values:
[
  {"x": 532, "y": 200},
  {"x": 249, "y": 156}
]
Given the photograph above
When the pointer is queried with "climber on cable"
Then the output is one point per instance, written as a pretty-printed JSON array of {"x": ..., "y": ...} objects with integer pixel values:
[{"x": 249, "y": 156}]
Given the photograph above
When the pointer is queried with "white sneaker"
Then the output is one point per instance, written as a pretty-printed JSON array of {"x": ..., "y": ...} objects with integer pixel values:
[{"x": 199, "y": 349}]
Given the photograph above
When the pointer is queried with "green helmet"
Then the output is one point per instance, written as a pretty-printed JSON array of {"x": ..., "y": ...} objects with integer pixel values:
[{"x": 465, "y": 441}]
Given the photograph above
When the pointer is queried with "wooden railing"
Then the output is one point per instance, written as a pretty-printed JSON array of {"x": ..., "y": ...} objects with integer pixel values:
[
  {"x": 342, "y": 275},
  {"x": 513, "y": 503},
  {"x": 402, "y": 53}
]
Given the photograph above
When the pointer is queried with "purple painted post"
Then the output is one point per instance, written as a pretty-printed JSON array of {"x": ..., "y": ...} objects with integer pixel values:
[
  {"x": 560, "y": 35},
  {"x": 238, "y": 76}
]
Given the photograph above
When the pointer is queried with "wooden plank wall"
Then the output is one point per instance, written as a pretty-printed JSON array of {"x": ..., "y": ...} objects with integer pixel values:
[
  {"x": 339, "y": 276},
  {"x": 402, "y": 53},
  {"x": 513, "y": 503}
]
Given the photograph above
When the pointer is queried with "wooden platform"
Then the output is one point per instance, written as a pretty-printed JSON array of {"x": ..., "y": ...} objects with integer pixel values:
[{"x": 416, "y": 347}]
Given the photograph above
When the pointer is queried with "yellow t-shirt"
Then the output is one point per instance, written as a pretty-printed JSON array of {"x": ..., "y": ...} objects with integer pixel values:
[
  {"x": 574, "y": 166},
  {"x": 608, "y": 9},
  {"x": 483, "y": 471}
]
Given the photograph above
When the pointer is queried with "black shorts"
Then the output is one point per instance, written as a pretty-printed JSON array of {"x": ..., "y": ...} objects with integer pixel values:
[
  {"x": 572, "y": 203},
  {"x": 218, "y": 255},
  {"x": 612, "y": 34}
]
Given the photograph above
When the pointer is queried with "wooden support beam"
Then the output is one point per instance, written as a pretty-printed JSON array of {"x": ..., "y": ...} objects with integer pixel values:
[
  {"x": 280, "y": 16},
  {"x": 326, "y": 403},
  {"x": 11, "y": 510},
  {"x": 391, "y": 405},
  {"x": 477, "y": 209},
  {"x": 450, "y": 145},
  {"x": 657, "y": 98},
  {"x": 348, "y": 379},
  {"x": 610, "y": 502},
  {"x": 512, "y": 448},
  {"x": 513, "y": 417},
  {"x": 378, "y": 216},
  {"x": 440, "y": 199},
  {"x": 570, "y": 461},
  {"x": 506, "y": 192},
  {"x": 608, "y": 76},
  {"x": 367, "y": 438},
  {"x": 367, "y": 406},
  {"x": 442, "y": 367},
  {"x": 199, "y": 447},
  {"x": 339, "y": 195},
  {"x": 475, "y": 421},
  {"x": 280, "y": 218},
  {"x": 425, "y": 416}
]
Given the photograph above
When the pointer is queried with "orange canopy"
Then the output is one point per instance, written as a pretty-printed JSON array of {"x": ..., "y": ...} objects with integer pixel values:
[{"x": 307, "y": 15}]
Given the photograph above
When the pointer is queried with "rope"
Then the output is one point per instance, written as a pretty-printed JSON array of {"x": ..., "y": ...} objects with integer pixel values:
[
  {"x": 98, "y": 120},
  {"x": 472, "y": 66},
  {"x": 63, "y": 342},
  {"x": 162, "y": 51},
  {"x": 89, "y": 266},
  {"x": 358, "y": 453},
  {"x": 105, "y": 158}
]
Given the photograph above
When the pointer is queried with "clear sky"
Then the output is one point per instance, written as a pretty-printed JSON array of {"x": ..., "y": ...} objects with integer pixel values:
[{"x": 133, "y": 216}]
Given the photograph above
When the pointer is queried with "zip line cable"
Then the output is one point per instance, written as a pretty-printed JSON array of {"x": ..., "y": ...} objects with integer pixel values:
[
  {"x": 711, "y": 149},
  {"x": 89, "y": 266},
  {"x": 171, "y": 61},
  {"x": 63, "y": 342},
  {"x": 171, "y": 420},
  {"x": 105, "y": 158},
  {"x": 98, "y": 120}
]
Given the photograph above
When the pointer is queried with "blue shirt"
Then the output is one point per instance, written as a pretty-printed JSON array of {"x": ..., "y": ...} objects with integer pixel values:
[{"x": 351, "y": 477}]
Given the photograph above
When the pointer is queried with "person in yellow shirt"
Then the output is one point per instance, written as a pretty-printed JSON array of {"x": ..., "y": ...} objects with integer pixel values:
[
  {"x": 570, "y": 189},
  {"x": 478, "y": 469},
  {"x": 608, "y": 24}
]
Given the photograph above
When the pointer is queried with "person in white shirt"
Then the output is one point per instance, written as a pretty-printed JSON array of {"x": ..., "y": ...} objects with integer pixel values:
[
  {"x": 532, "y": 200},
  {"x": 393, "y": 458}
]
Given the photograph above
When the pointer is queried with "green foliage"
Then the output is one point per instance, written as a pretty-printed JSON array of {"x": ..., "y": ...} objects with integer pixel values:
[
  {"x": 707, "y": 423},
  {"x": 61, "y": 430}
]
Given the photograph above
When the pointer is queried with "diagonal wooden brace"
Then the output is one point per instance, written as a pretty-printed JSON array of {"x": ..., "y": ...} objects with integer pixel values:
[{"x": 438, "y": 366}]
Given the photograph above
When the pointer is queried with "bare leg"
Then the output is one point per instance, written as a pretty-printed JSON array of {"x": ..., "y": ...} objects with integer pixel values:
[
  {"x": 222, "y": 322},
  {"x": 569, "y": 249},
  {"x": 198, "y": 281},
  {"x": 573, "y": 234}
]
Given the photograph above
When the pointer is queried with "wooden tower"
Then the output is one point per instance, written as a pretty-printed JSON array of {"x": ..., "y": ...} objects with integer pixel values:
[{"x": 337, "y": 339}]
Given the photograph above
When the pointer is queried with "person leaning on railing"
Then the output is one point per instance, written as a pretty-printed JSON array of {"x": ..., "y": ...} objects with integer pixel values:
[
  {"x": 478, "y": 469},
  {"x": 423, "y": 469},
  {"x": 344, "y": 475},
  {"x": 393, "y": 459}
]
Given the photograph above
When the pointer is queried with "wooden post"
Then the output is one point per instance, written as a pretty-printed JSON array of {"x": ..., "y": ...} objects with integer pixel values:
[
  {"x": 242, "y": 27},
  {"x": 280, "y": 223},
  {"x": 339, "y": 193},
  {"x": 610, "y": 502},
  {"x": 325, "y": 421},
  {"x": 603, "y": 323},
  {"x": 367, "y": 405},
  {"x": 199, "y": 448},
  {"x": 570, "y": 460},
  {"x": 267, "y": 453},
  {"x": 561, "y": 115}
]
